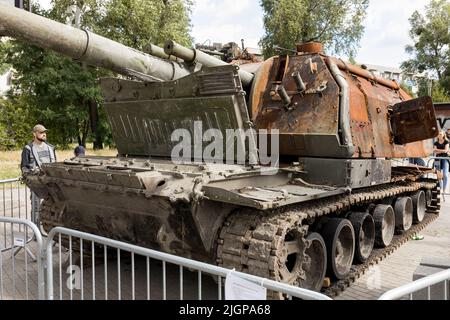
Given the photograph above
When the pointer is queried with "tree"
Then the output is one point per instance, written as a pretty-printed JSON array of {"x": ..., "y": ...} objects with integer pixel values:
[
  {"x": 3, "y": 65},
  {"x": 53, "y": 90},
  {"x": 439, "y": 94},
  {"x": 407, "y": 88},
  {"x": 335, "y": 23},
  {"x": 15, "y": 123},
  {"x": 64, "y": 94},
  {"x": 431, "y": 37},
  {"x": 352, "y": 60},
  {"x": 427, "y": 86},
  {"x": 129, "y": 22},
  {"x": 445, "y": 81},
  {"x": 134, "y": 23}
]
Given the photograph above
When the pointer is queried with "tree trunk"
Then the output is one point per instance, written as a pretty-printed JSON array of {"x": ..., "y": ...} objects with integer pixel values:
[
  {"x": 93, "y": 116},
  {"x": 85, "y": 131},
  {"x": 78, "y": 132}
]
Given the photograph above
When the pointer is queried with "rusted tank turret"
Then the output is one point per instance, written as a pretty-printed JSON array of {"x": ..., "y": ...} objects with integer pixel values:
[{"x": 315, "y": 206}]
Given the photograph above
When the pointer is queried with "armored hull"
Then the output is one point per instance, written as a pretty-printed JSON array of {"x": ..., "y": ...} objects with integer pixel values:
[{"x": 275, "y": 226}]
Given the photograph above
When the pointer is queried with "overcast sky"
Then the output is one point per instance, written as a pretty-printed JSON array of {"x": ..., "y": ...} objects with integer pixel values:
[{"x": 383, "y": 43}]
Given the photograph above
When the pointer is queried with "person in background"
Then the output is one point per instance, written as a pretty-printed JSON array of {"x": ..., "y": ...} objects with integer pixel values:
[
  {"x": 34, "y": 154},
  {"x": 38, "y": 151},
  {"x": 448, "y": 134},
  {"x": 417, "y": 161},
  {"x": 79, "y": 151},
  {"x": 441, "y": 148}
]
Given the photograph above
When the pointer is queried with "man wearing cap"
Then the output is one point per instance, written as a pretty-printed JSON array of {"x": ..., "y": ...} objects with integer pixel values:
[
  {"x": 38, "y": 151},
  {"x": 34, "y": 155}
]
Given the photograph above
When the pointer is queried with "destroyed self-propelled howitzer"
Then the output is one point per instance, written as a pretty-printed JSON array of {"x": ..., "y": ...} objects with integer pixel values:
[{"x": 330, "y": 127}]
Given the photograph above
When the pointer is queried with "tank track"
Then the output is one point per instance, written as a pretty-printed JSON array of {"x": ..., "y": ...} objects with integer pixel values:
[{"x": 251, "y": 241}]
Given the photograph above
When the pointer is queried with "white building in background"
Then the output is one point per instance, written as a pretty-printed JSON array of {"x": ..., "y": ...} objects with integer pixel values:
[
  {"x": 5, "y": 82},
  {"x": 396, "y": 74},
  {"x": 385, "y": 72}
]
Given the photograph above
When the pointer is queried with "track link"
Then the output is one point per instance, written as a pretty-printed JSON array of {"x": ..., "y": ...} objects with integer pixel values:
[{"x": 252, "y": 241}]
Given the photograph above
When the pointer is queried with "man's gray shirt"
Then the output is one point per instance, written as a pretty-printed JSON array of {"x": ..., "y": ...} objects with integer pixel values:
[{"x": 34, "y": 155}]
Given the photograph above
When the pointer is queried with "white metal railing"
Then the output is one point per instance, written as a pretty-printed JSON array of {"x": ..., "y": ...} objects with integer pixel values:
[
  {"x": 120, "y": 247},
  {"x": 429, "y": 159},
  {"x": 424, "y": 283},
  {"x": 22, "y": 277},
  {"x": 113, "y": 273},
  {"x": 14, "y": 200}
]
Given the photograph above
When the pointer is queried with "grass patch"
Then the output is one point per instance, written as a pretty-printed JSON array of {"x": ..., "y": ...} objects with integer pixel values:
[{"x": 10, "y": 160}]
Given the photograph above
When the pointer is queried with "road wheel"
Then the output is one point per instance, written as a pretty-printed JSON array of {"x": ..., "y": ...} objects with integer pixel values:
[
  {"x": 419, "y": 204},
  {"x": 364, "y": 227},
  {"x": 384, "y": 218},
  {"x": 339, "y": 239},
  {"x": 403, "y": 214}
]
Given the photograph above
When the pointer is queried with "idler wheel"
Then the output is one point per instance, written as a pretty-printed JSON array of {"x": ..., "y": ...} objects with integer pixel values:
[
  {"x": 384, "y": 218},
  {"x": 315, "y": 262},
  {"x": 419, "y": 205},
  {"x": 291, "y": 257},
  {"x": 339, "y": 239},
  {"x": 364, "y": 227},
  {"x": 403, "y": 214}
]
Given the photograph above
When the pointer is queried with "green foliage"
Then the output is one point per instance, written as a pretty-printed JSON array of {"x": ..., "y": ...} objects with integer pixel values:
[
  {"x": 423, "y": 85},
  {"x": 56, "y": 91},
  {"x": 3, "y": 65},
  {"x": 430, "y": 32},
  {"x": 134, "y": 23},
  {"x": 129, "y": 22},
  {"x": 445, "y": 81},
  {"x": 15, "y": 123},
  {"x": 438, "y": 93},
  {"x": 352, "y": 60},
  {"x": 408, "y": 89},
  {"x": 335, "y": 23}
]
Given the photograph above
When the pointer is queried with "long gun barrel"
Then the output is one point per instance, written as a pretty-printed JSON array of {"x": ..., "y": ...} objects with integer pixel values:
[
  {"x": 86, "y": 46},
  {"x": 156, "y": 51},
  {"x": 194, "y": 55}
]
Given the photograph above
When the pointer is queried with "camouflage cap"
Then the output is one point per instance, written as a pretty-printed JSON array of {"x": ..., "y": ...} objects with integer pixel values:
[{"x": 39, "y": 128}]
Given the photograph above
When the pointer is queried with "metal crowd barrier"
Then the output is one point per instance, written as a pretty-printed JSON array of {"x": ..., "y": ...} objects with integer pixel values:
[
  {"x": 15, "y": 199},
  {"x": 424, "y": 283},
  {"x": 133, "y": 265},
  {"x": 140, "y": 264},
  {"x": 19, "y": 246},
  {"x": 15, "y": 202},
  {"x": 127, "y": 271},
  {"x": 20, "y": 278},
  {"x": 429, "y": 159}
]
